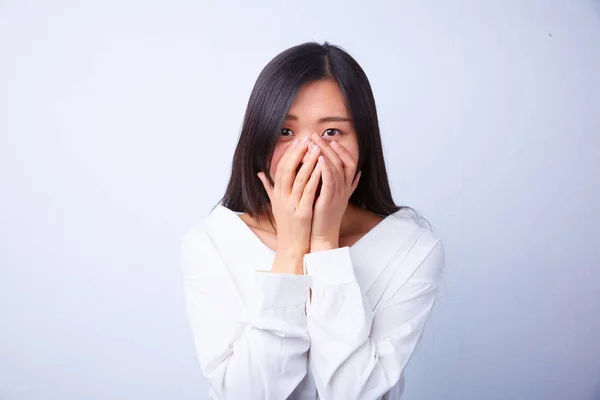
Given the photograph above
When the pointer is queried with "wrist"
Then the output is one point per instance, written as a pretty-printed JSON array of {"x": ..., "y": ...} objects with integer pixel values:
[
  {"x": 291, "y": 252},
  {"x": 289, "y": 261},
  {"x": 322, "y": 244}
]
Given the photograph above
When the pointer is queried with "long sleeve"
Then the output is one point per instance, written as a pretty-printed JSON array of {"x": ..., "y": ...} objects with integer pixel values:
[
  {"x": 252, "y": 347},
  {"x": 356, "y": 353}
]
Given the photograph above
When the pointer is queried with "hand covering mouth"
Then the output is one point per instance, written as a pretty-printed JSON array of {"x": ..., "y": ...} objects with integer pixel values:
[{"x": 318, "y": 186}]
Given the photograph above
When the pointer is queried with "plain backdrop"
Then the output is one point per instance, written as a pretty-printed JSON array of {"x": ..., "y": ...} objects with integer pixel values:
[{"x": 118, "y": 121}]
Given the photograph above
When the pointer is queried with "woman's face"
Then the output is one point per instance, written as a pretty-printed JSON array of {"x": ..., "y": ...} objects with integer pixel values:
[{"x": 318, "y": 108}]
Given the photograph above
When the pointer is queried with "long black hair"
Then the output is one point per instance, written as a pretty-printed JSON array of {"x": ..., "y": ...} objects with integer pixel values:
[{"x": 273, "y": 94}]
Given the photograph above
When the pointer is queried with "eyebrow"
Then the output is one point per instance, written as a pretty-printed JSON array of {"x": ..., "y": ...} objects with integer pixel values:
[{"x": 321, "y": 120}]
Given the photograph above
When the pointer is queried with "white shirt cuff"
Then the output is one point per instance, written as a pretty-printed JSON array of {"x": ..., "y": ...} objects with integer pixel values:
[
  {"x": 280, "y": 290},
  {"x": 330, "y": 267}
]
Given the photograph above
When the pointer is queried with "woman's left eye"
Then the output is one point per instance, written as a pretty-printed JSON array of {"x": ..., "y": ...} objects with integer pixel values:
[{"x": 331, "y": 130}]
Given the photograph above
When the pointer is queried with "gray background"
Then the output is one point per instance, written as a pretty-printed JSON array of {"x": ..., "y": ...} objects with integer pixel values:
[{"x": 118, "y": 121}]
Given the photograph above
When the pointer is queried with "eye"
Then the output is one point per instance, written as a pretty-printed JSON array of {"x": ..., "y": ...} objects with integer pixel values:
[
  {"x": 330, "y": 130},
  {"x": 285, "y": 131}
]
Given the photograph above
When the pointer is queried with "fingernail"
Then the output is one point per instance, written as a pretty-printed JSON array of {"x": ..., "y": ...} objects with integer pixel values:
[
  {"x": 315, "y": 148},
  {"x": 294, "y": 142},
  {"x": 334, "y": 144},
  {"x": 305, "y": 140}
]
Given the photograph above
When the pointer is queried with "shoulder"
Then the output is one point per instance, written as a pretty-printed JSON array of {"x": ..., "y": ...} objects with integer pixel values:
[
  {"x": 197, "y": 248},
  {"x": 194, "y": 236},
  {"x": 195, "y": 251},
  {"x": 423, "y": 248},
  {"x": 218, "y": 219}
]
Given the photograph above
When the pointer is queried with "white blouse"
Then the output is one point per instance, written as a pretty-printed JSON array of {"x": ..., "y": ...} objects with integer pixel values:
[{"x": 258, "y": 335}]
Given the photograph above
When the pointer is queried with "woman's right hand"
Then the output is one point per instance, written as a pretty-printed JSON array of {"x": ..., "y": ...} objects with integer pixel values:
[{"x": 292, "y": 198}]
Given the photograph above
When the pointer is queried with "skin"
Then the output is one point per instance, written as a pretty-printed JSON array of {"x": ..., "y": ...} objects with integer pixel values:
[{"x": 313, "y": 148}]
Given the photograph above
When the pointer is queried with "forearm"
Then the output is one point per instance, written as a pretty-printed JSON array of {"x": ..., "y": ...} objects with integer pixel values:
[
  {"x": 377, "y": 342},
  {"x": 244, "y": 352}
]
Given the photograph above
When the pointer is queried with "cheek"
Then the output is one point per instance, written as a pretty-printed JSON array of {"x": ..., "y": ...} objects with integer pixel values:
[
  {"x": 354, "y": 152},
  {"x": 277, "y": 153},
  {"x": 352, "y": 147}
]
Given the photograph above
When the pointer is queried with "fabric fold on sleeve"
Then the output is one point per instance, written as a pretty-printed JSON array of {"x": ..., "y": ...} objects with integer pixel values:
[
  {"x": 356, "y": 353},
  {"x": 249, "y": 346}
]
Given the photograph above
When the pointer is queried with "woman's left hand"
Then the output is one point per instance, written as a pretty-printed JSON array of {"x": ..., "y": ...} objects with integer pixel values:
[{"x": 337, "y": 170}]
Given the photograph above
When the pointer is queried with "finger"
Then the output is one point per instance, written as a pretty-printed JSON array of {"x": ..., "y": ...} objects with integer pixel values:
[
  {"x": 328, "y": 187},
  {"x": 305, "y": 173},
  {"x": 286, "y": 154},
  {"x": 266, "y": 185},
  {"x": 347, "y": 159},
  {"x": 332, "y": 156},
  {"x": 310, "y": 190},
  {"x": 286, "y": 169}
]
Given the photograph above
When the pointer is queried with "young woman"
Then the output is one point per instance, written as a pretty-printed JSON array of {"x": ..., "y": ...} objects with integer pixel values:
[{"x": 307, "y": 281}]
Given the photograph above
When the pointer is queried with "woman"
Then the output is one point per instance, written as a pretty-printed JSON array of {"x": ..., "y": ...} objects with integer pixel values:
[{"x": 307, "y": 281}]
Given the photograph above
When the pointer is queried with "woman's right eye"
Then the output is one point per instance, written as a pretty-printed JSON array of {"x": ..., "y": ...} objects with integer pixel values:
[{"x": 285, "y": 131}]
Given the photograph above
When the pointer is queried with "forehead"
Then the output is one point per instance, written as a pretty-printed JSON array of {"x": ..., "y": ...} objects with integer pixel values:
[{"x": 317, "y": 98}]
